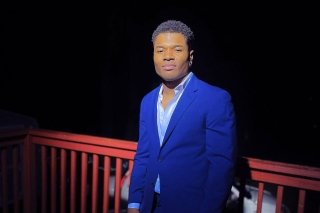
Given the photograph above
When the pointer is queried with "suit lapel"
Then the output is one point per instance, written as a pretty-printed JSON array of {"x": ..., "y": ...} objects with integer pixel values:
[
  {"x": 154, "y": 116},
  {"x": 186, "y": 99}
]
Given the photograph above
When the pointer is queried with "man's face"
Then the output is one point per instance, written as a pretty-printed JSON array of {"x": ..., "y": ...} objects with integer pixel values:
[{"x": 171, "y": 56}]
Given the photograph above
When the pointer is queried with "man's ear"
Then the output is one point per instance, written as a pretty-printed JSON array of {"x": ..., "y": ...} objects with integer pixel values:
[{"x": 190, "y": 57}]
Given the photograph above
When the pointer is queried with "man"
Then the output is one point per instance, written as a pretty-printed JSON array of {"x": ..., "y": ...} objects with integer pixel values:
[{"x": 186, "y": 150}]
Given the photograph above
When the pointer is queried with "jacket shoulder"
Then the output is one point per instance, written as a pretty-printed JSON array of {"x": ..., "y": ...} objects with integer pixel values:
[
  {"x": 150, "y": 95},
  {"x": 210, "y": 89}
]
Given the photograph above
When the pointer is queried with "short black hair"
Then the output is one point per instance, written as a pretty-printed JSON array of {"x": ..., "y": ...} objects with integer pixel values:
[{"x": 174, "y": 26}]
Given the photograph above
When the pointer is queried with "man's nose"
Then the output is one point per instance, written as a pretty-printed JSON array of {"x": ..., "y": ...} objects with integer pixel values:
[{"x": 168, "y": 55}]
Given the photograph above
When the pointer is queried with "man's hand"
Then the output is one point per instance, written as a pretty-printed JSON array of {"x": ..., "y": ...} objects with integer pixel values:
[{"x": 132, "y": 210}]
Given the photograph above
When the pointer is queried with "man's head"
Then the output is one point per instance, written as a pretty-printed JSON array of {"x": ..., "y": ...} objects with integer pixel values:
[
  {"x": 172, "y": 51},
  {"x": 174, "y": 26}
]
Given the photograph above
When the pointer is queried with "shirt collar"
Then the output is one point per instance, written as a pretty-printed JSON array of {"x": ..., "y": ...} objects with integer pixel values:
[{"x": 180, "y": 86}]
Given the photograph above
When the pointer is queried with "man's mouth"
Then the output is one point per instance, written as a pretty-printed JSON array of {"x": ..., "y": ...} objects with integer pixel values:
[{"x": 168, "y": 67}]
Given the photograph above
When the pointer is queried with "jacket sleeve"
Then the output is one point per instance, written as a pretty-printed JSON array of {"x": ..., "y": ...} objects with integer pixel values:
[
  {"x": 137, "y": 180},
  {"x": 220, "y": 152}
]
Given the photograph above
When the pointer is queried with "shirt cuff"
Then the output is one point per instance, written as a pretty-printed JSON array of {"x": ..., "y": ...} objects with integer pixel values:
[{"x": 134, "y": 205}]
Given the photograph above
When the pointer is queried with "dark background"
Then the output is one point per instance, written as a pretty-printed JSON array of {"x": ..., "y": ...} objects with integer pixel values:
[{"x": 84, "y": 69}]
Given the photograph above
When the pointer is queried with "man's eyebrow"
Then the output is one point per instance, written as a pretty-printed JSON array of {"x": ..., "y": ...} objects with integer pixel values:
[{"x": 173, "y": 46}]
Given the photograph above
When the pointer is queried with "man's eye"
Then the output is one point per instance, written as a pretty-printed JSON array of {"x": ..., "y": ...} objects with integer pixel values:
[
  {"x": 178, "y": 50},
  {"x": 159, "y": 51}
]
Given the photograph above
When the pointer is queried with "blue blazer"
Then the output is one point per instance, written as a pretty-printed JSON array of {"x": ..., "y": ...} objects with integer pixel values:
[{"x": 197, "y": 158}]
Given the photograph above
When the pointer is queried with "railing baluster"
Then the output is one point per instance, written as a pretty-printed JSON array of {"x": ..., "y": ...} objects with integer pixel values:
[
  {"x": 16, "y": 176},
  {"x": 279, "y": 199},
  {"x": 73, "y": 182},
  {"x": 43, "y": 179},
  {"x": 302, "y": 195},
  {"x": 84, "y": 175},
  {"x": 95, "y": 168},
  {"x": 117, "y": 186},
  {"x": 130, "y": 165},
  {"x": 53, "y": 189},
  {"x": 3, "y": 153},
  {"x": 106, "y": 180},
  {"x": 29, "y": 198},
  {"x": 63, "y": 169},
  {"x": 260, "y": 197}
]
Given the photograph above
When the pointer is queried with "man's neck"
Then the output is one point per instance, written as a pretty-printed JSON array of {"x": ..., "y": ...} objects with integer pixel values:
[{"x": 170, "y": 85}]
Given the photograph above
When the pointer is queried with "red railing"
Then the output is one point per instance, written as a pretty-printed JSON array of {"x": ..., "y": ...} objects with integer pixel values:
[
  {"x": 277, "y": 176},
  {"x": 51, "y": 171},
  {"x": 63, "y": 172}
]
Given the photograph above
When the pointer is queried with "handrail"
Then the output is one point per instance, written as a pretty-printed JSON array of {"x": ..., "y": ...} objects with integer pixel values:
[{"x": 286, "y": 168}]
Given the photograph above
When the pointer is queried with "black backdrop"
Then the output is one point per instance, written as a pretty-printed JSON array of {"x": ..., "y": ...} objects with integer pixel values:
[{"x": 85, "y": 68}]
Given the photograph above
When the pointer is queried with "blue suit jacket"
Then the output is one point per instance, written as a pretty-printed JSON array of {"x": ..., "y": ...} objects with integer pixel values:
[{"x": 197, "y": 157}]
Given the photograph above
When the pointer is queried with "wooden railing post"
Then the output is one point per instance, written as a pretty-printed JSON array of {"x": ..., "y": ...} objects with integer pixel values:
[
  {"x": 26, "y": 176},
  {"x": 29, "y": 191}
]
